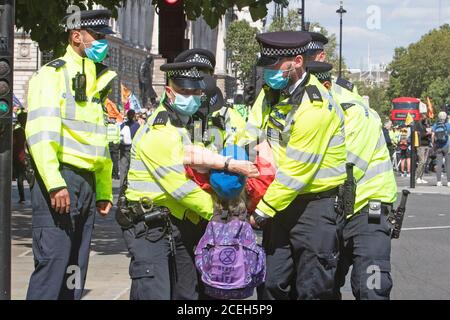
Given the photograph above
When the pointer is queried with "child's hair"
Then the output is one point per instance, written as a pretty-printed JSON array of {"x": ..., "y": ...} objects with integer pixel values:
[{"x": 235, "y": 208}]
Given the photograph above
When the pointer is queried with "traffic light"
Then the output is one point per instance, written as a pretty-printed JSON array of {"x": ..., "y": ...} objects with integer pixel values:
[
  {"x": 5, "y": 85},
  {"x": 171, "y": 2}
]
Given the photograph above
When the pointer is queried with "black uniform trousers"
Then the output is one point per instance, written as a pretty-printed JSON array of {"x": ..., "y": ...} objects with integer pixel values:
[
  {"x": 366, "y": 246},
  {"x": 302, "y": 250},
  {"x": 152, "y": 271},
  {"x": 114, "y": 150},
  {"x": 61, "y": 242}
]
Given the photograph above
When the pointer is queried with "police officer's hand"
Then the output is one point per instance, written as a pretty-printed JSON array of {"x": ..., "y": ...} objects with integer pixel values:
[
  {"x": 245, "y": 168},
  {"x": 60, "y": 201},
  {"x": 103, "y": 207},
  {"x": 253, "y": 222}
]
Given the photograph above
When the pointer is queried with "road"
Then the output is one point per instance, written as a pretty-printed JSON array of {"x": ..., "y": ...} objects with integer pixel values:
[{"x": 420, "y": 258}]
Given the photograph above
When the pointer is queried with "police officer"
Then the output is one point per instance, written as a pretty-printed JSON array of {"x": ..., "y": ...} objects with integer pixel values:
[
  {"x": 158, "y": 156},
  {"x": 66, "y": 133},
  {"x": 224, "y": 124},
  {"x": 366, "y": 234},
  {"x": 113, "y": 133},
  {"x": 305, "y": 131}
]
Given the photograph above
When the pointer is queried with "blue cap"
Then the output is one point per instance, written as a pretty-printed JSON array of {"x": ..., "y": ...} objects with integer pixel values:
[{"x": 225, "y": 184}]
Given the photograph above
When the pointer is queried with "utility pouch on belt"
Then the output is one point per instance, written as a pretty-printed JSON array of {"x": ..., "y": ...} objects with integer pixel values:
[{"x": 374, "y": 211}]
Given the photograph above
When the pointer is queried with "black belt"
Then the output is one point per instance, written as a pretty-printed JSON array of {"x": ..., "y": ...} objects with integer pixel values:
[{"x": 320, "y": 195}]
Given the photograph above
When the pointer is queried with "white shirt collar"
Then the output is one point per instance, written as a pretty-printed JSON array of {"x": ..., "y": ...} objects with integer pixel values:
[{"x": 295, "y": 85}]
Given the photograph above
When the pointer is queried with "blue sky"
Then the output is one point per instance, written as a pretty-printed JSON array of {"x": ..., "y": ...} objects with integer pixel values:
[{"x": 400, "y": 23}]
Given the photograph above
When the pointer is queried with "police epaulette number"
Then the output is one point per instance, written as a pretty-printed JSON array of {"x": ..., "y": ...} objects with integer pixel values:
[
  {"x": 58, "y": 63},
  {"x": 313, "y": 93},
  {"x": 161, "y": 118},
  {"x": 345, "y": 84}
]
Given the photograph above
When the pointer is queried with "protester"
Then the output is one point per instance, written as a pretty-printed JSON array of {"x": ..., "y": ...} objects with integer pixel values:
[
  {"x": 19, "y": 154},
  {"x": 440, "y": 142},
  {"x": 128, "y": 130},
  {"x": 423, "y": 149}
]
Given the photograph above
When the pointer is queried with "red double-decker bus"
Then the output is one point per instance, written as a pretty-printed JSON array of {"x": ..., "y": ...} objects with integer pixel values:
[{"x": 402, "y": 106}]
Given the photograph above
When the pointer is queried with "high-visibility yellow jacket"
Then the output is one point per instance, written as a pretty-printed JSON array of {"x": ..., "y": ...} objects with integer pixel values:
[
  {"x": 366, "y": 148},
  {"x": 113, "y": 133},
  {"x": 157, "y": 170},
  {"x": 306, "y": 132},
  {"x": 232, "y": 131},
  {"x": 61, "y": 130}
]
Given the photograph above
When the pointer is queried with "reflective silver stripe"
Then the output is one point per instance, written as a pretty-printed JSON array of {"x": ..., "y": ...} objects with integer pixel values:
[
  {"x": 185, "y": 137},
  {"x": 184, "y": 190},
  {"x": 303, "y": 156},
  {"x": 289, "y": 182},
  {"x": 381, "y": 142},
  {"x": 44, "y": 136},
  {"x": 255, "y": 132},
  {"x": 43, "y": 112},
  {"x": 94, "y": 151},
  {"x": 325, "y": 173},
  {"x": 78, "y": 125},
  {"x": 360, "y": 163},
  {"x": 380, "y": 168},
  {"x": 163, "y": 171},
  {"x": 145, "y": 186},
  {"x": 137, "y": 165},
  {"x": 70, "y": 100},
  {"x": 336, "y": 141}
]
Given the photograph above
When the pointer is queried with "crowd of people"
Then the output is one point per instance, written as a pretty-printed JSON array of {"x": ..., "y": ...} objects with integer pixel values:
[{"x": 431, "y": 147}]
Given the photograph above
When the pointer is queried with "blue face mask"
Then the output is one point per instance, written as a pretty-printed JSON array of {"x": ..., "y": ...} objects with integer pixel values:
[
  {"x": 98, "y": 51},
  {"x": 275, "y": 79},
  {"x": 186, "y": 105}
]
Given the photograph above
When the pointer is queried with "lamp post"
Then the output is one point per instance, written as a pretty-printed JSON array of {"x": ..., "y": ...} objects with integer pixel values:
[
  {"x": 301, "y": 12},
  {"x": 341, "y": 12}
]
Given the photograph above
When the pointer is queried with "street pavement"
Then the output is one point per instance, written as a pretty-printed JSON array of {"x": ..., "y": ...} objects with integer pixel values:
[{"x": 420, "y": 258}]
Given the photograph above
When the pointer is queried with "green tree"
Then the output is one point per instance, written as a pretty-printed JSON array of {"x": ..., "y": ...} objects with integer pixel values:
[
  {"x": 331, "y": 48},
  {"x": 439, "y": 92},
  {"x": 378, "y": 98},
  {"x": 241, "y": 43},
  {"x": 291, "y": 22},
  {"x": 42, "y": 19},
  {"x": 422, "y": 70}
]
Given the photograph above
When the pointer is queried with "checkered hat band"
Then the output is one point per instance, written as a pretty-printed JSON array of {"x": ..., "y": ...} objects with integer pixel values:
[
  {"x": 315, "y": 45},
  {"x": 323, "y": 75},
  {"x": 95, "y": 22},
  {"x": 276, "y": 52},
  {"x": 186, "y": 73},
  {"x": 200, "y": 59}
]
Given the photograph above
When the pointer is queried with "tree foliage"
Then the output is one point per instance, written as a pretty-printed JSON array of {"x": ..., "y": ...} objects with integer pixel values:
[
  {"x": 291, "y": 22},
  {"x": 243, "y": 47},
  {"x": 331, "y": 48},
  {"x": 42, "y": 19},
  {"x": 422, "y": 70},
  {"x": 378, "y": 98}
]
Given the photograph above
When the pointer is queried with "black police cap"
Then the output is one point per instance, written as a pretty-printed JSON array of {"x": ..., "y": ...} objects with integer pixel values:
[
  {"x": 94, "y": 20},
  {"x": 203, "y": 56},
  {"x": 318, "y": 41},
  {"x": 281, "y": 44},
  {"x": 321, "y": 70},
  {"x": 185, "y": 74}
]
